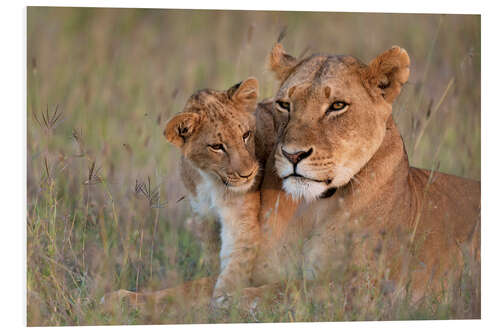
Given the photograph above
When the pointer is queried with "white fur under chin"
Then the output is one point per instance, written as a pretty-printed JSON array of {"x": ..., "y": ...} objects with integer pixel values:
[
  {"x": 242, "y": 188},
  {"x": 301, "y": 188}
]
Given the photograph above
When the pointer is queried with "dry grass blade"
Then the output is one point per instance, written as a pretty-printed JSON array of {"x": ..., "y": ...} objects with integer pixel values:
[
  {"x": 55, "y": 116},
  {"x": 429, "y": 57},
  {"x": 282, "y": 34},
  {"x": 152, "y": 194},
  {"x": 93, "y": 177},
  {"x": 430, "y": 180},
  {"x": 49, "y": 120},
  {"x": 36, "y": 119},
  {"x": 78, "y": 137},
  {"x": 45, "y": 178},
  {"x": 46, "y": 167},
  {"x": 430, "y": 113},
  {"x": 429, "y": 109},
  {"x": 51, "y": 171}
]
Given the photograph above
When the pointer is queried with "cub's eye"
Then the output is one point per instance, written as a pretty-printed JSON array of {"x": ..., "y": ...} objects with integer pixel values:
[
  {"x": 283, "y": 105},
  {"x": 217, "y": 147},
  {"x": 246, "y": 136},
  {"x": 337, "y": 106}
]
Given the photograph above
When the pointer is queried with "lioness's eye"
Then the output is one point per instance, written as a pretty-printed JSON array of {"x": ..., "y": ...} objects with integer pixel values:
[
  {"x": 217, "y": 147},
  {"x": 246, "y": 135},
  {"x": 337, "y": 106},
  {"x": 284, "y": 105}
]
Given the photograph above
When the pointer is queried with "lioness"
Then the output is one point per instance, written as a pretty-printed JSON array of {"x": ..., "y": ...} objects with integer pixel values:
[
  {"x": 338, "y": 186},
  {"x": 220, "y": 170},
  {"x": 342, "y": 162}
]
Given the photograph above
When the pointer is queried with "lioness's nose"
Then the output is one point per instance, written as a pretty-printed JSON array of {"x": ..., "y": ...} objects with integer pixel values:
[{"x": 297, "y": 156}]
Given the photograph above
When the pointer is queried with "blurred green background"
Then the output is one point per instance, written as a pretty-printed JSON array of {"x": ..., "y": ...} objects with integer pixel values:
[{"x": 103, "y": 185}]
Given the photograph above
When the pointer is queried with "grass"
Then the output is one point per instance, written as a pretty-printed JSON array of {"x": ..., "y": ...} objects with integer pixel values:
[{"x": 105, "y": 208}]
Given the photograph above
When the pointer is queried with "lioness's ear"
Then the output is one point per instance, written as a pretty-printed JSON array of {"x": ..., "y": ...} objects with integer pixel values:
[
  {"x": 180, "y": 127},
  {"x": 245, "y": 93},
  {"x": 281, "y": 63},
  {"x": 388, "y": 72}
]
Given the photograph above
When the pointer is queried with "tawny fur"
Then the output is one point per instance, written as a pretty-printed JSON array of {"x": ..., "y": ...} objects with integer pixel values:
[
  {"x": 416, "y": 222},
  {"x": 416, "y": 226},
  {"x": 223, "y": 183}
]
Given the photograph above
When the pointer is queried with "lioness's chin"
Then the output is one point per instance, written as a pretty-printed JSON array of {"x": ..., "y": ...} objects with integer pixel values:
[{"x": 303, "y": 188}]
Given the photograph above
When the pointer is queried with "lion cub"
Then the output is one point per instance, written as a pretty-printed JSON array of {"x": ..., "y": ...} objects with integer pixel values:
[{"x": 219, "y": 168}]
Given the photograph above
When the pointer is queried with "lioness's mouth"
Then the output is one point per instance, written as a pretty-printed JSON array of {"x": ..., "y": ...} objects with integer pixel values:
[
  {"x": 328, "y": 193},
  {"x": 296, "y": 175}
]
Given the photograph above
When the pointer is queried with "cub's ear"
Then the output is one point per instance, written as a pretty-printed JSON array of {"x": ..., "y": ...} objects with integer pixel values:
[
  {"x": 180, "y": 127},
  {"x": 387, "y": 73},
  {"x": 245, "y": 93},
  {"x": 281, "y": 63}
]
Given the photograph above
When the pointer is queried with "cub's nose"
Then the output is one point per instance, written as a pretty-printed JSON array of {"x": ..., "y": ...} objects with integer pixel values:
[{"x": 297, "y": 156}]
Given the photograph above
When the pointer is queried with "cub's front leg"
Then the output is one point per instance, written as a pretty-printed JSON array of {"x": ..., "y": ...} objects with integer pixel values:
[
  {"x": 207, "y": 231},
  {"x": 240, "y": 239}
]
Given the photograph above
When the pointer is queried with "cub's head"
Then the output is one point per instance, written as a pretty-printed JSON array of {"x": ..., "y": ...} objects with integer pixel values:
[
  {"x": 331, "y": 113},
  {"x": 215, "y": 132}
]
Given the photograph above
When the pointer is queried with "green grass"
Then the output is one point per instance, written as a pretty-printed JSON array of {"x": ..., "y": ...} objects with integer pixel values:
[{"x": 117, "y": 75}]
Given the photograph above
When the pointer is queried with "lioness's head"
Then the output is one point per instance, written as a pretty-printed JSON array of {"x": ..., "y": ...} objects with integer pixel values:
[
  {"x": 331, "y": 113},
  {"x": 215, "y": 131}
]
